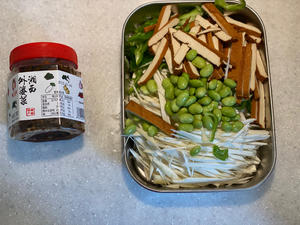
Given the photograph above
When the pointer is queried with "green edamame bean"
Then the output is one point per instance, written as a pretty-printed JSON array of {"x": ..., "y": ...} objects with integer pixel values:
[
  {"x": 186, "y": 76},
  {"x": 166, "y": 83},
  {"x": 182, "y": 83},
  {"x": 207, "y": 70},
  {"x": 191, "y": 55},
  {"x": 168, "y": 108},
  {"x": 177, "y": 91},
  {"x": 207, "y": 108},
  {"x": 145, "y": 126},
  {"x": 229, "y": 101},
  {"x": 230, "y": 83},
  {"x": 192, "y": 91},
  {"x": 130, "y": 129},
  {"x": 196, "y": 83},
  {"x": 205, "y": 100},
  {"x": 152, "y": 131},
  {"x": 200, "y": 92},
  {"x": 226, "y": 126},
  {"x": 175, "y": 116},
  {"x": 186, "y": 127},
  {"x": 197, "y": 123},
  {"x": 212, "y": 84},
  {"x": 136, "y": 119},
  {"x": 215, "y": 104},
  {"x": 208, "y": 122},
  {"x": 182, "y": 99},
  {"x": 174, "y": 79},
  {"x": 199, "y": 62},
  {"x": 224, "y": 92},
  {"x": 144, "y": 90},
  {"x": 128, "y": 122},
  {"x": 174, "y": 106},
  {"x": 198, "y": 117},
  {"x": 219, "y": 86},
  {"x": 195, "y": 108},
  {"x": 186, "y": 118},
  {"x": 170, "y": 93},
  {"x": 214, "y": 95},
  {"x": 228, "y": 111},
  {"x": 204, "y": 80},
  {"x": 195, "y": 150},
  {"x": 225, "y": 119},
  {"x": 218, "y": 114},
  {"x": 237, "y": 126},
  {"x": 236, "y": 118},
  {"x": 191, "y": 100},
  {"x": 151, "y": 86}
]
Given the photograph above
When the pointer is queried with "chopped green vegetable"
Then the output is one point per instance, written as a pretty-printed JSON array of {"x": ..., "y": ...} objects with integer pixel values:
[
  {"x": 230, "y": 7},
  {"x": 219, "y": 153},
  {"x": 192, "y": 15}
]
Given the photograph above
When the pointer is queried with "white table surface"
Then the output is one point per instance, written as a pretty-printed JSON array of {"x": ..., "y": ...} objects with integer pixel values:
[{"x": 83, "y": 181}]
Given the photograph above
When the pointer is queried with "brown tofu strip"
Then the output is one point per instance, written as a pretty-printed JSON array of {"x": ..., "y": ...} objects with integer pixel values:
[
  {"x": 201, "y": 47},
  {"x": 262, "y": 109},
  {"x": 206, "y": 25},
  {"x": 239, "y": 78},
  {"x": 150, "y": 117},
  {"x": 191, "y": 70},
  {"x": 160, "y": 53},
  {"x": 178, "y": 70},
  {"x": 162, "y": 32},
  {"x": 195, "y": 30},
  {"x": 237, "y": 56},
  {"x": 175, "y": 45},
  {"x": 256, "y": 91},
  {"x": 218, "y": 72},
  {"x": 169, "y": 60},
  {"x": 261, "y": 71},
  {"x": 149, "y": 28},
  {"x": 254, "y": 109},
  {"x": 163, "y": 18},
  {"x": 247, "y": 71},
  {"x": 253, "y": 67},
  {"x": 181, "y": 53},
  {"x": 243, "y": 27},
  {"x": 218, "y": 17}
]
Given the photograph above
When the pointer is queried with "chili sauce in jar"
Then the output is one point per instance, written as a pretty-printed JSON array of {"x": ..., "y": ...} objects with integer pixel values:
[{"x": 45, "y": 93}]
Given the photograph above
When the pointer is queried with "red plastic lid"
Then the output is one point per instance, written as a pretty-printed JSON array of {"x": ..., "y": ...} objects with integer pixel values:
[{"x": 42, "y": 50}]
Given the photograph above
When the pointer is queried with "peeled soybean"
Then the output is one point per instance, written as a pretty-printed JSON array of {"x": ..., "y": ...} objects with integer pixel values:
[
  {"x": 182, "y": 99},
  {"x": 207, "y": 70},
  {"x": 229, "y": 101},
  {"x": 195, "y": 108},
  {"x": 205, "y": 100},
  {"x": 186, "y": 118},
  {"x": 199, "y": 62},
  {"x": 200, "y": 92},
  {"x": 186, "y": 127},
  {"x": 151, "y": 86}
]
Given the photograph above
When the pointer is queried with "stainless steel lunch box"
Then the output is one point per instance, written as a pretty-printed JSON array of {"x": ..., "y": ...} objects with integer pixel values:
[{"x": 267, "y": 153}]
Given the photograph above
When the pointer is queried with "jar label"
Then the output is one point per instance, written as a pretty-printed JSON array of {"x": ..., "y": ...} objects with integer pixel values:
[{"x": 45, "y": 94}]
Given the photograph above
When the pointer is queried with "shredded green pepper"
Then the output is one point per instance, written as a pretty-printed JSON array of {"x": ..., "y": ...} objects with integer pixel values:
[
  {"x": 230, "y": 7},
  {"x": 219, "y": 153}
]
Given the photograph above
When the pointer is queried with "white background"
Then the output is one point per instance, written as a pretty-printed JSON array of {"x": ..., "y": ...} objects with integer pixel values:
[{"x": 83, "y": 181}]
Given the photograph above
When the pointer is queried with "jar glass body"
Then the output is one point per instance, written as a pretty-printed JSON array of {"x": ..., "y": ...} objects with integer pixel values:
[{"x": 46, "y": 129}]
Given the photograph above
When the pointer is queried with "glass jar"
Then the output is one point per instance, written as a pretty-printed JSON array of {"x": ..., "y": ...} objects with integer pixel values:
[{"x": 45, "y": 96}]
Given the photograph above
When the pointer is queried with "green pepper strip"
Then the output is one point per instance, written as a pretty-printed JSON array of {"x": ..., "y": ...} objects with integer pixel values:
[
  {"x": 215, "y": 125},
  {"x": 230, "y": 7}
]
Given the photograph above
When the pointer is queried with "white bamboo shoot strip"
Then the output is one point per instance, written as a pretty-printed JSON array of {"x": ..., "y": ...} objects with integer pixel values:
[{"x": 162, "y": 99}]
